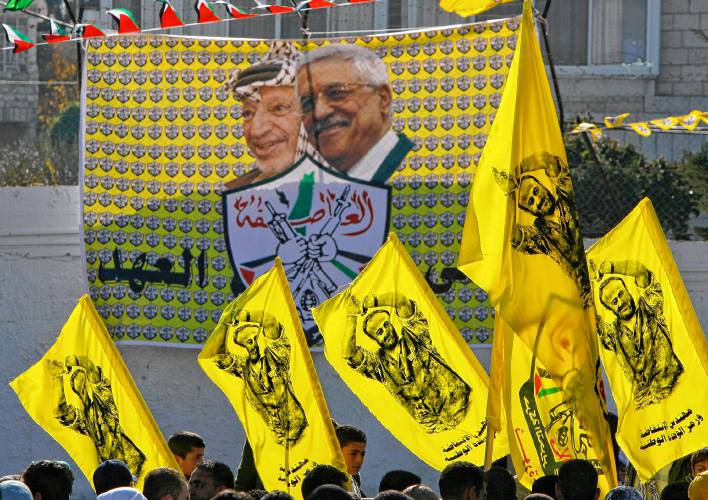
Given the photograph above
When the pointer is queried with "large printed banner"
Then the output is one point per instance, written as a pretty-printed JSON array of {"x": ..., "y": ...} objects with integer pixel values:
[{"x": 206, "y": 159}]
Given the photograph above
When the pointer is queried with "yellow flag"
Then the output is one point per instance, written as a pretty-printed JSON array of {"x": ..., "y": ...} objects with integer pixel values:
[
  {"x": 641, "y": 128},
  {"x": 543, "y": 430},
  {"x": 258, "y": 357},
  {"x": 522, "y": 244},
  {"x": 651, "y": 343},
  {"x": 465, "y": 8},
  {"x": 396, "y": 348},
  {"x": 82, "y": 394},
  {"x": 615, "y": 121}
]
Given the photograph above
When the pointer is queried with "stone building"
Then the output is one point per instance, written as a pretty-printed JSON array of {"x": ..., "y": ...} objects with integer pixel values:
[
  {"x": 18, "y": 96},
  {"x": 645, "y": 57}
]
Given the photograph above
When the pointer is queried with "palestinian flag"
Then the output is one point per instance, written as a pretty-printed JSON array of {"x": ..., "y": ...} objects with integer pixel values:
[
  {"x": 17, "y": 4},
  {"x": 313, "y": 4},
  {"x": 126, "y": 21},
  {"x": 20, "y": 41},
  {"x": 58, "y": 34},
  {"x": 274, "y": 9},
  {"x": 168, "y": 16},
  {"x": 234, "y": 11},
  {"x": 206, "y": 15},
  {"x": 87, "y": 31},
  {"x": 543, "y": 385}
]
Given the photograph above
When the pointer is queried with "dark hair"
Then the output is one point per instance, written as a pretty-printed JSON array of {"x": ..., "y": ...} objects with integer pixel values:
[
  {"x": 499, "y": 484},
  {"x": 577, "y": 480},
  {"x": 675, "y": 491},
  {"x": 698, "y": 456},
  {"x": 457, "y": 478},
  {"x": 230, "y": 494},
  {"x": 277, "y": 495},
  {"x": 623, "y": 493},
  {"x": 52, "y": 479},
  {"x": 181, "y": 443},
  {"x": 257, "y": 494},
  {"x": 220, "y": 473},
  {"x": 421, "y": 492},
  {"x": 391, "y": 495},
  {"x": 329, "y": 492},
  {"x": 111, "y": 474},
  {"x": 545, "y": 485},
  {"x": 322, "y": 474},
  {"x": 398, "y": 480},
  {"x": 163, "y": 481},
  {"x": 349, "y": 434}
]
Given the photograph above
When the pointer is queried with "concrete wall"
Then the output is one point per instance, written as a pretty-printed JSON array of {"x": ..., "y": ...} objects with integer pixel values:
[{"x": 41, "y": 278}]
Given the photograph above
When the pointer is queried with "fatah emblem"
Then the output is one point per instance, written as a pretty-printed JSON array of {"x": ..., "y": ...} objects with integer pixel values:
[{"x": 324, "y": 227}]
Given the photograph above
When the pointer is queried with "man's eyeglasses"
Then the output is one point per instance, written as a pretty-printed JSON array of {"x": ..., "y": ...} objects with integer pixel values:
[{"x": 335, "y": 92}]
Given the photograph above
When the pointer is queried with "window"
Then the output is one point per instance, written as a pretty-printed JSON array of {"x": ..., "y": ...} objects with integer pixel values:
[{"x": 622, "y": 34}]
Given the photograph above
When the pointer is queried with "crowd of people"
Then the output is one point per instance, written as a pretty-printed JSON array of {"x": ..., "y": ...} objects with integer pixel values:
[{"x": 202, "y": 479}]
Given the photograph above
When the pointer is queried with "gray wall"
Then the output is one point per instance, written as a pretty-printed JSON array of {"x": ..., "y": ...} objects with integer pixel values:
[{"x": 41, "y": 278}]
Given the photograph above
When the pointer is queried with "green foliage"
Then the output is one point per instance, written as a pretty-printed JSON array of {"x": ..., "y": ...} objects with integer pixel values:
[
  {"x": 51, "y": 159},
  {"x": 695, "y": 166},
  {"x": 64, "y": 132},
  {"x": 20, "y": 165},
  {"x": 610, "y": 182}
]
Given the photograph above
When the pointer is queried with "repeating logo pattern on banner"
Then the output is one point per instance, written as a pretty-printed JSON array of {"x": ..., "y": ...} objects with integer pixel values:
[{"x": 164, "y": 135}]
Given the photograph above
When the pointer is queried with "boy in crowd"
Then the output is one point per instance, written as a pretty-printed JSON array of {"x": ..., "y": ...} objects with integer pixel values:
[
  {"x": 699, "y": 461},
  {"x": 352, "y": 441},
  {"x": 49, "y": 480},
  {"x": 164, "y": 483},
  {"x": 208, "y": 479},
  {"x": 188, "y": 449}
]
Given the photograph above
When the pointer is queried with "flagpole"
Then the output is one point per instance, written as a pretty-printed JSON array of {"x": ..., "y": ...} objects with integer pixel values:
[
  {"x": 496, "y": 381},
  {"x": 489, "y": 449},
  {"x": 551, "y": 64}
]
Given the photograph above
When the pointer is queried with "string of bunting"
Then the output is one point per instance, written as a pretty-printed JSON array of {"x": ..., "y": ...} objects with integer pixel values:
[
  {"x": 691, "y": 122},
  {"x": 126, "y": 23}
]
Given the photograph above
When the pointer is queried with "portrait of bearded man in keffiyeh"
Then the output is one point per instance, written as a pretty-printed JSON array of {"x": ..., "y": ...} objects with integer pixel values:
[{"x": 272, "y": 119}]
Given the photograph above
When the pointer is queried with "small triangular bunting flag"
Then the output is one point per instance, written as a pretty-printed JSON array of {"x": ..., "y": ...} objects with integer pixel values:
[
  {"x": 235, "y": 12},
  {"x": 313, "y": 4},
  {"x": 126, "y": 21},
  {"x": 168, "y": 17},
  {"x": 87, "y": 30},
  {"x": 17, "y": 4},
  {"x": 58, "y": 34},
  {"x": 20, "y": 41},
  {"x": 206, "y": 15},
  {"x": 273, "y": 9}
]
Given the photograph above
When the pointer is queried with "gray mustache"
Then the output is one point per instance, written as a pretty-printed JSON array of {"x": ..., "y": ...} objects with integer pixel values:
[{"x": 321, "y": 125}]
